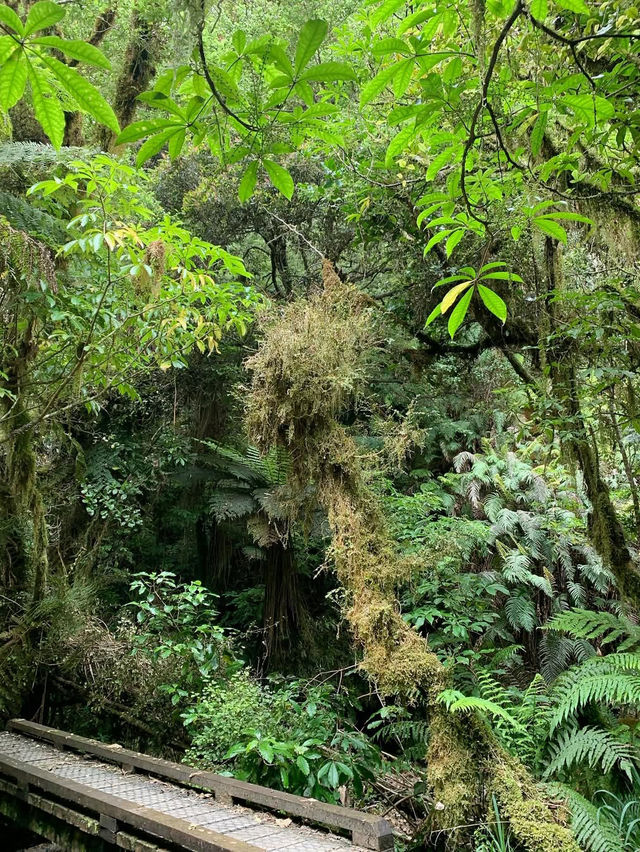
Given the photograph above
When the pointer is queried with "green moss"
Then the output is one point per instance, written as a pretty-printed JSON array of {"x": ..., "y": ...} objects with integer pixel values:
[
  {"x": 306, "y": 374},
  {"x": 530, "y": 818}
]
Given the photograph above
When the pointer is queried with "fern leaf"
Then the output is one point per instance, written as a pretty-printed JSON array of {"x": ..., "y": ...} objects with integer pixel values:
[
  {"x": 614, "y": 680},
  {"x": 604, "y": 626},
  {"x": 593, "y": 833},
  {"x": 596, "y": 747},
  {"x": 467, "y": 704}
]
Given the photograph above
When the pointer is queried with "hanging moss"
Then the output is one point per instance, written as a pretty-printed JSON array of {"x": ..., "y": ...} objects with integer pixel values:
[{"x": 305, "y": 376}]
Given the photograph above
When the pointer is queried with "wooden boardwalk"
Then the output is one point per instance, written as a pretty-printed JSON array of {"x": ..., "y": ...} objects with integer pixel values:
[{"x": 130, "y": 800}]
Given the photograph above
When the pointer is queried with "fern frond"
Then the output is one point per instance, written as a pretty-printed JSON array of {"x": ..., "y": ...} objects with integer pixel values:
[
  {"x": 520, "y": 613},
  {"x": 26, "y": 217},
  {"x": 613, "y": 680},
  {"x": 493, "y": 505},
  {"x": 605, "y": 626},
  {"x": 35, "y": 153},
  {"x": 593, "y": 833},
  {"x": 463, "y": 461},
  {"x": 228, "y": 505},
  {"x": 556, "y": 655},
  {"x": 407, "y": 731},
  {"x": 596, "y": 747},
  {"x": 493, "y": 690},
  {"x": 458, "y": 703}
]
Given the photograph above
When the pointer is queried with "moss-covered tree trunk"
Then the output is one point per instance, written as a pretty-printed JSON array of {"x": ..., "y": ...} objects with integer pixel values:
[
  {"x": 305, "y": 375},
  {"x": 137, "y": 70},
  {"x": 605, "y": 529},
  {"x": 24, "y": 529}
]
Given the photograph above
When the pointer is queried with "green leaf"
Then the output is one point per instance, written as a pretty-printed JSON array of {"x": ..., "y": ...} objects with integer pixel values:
[
  {"x": 403, "y": 77},
  {"x": 239, "y": 40},
  {"x": 567, "y": 216},
  {"x": 153, "y": 145},
  {"x": 248, "y": 182},
  {"x": 266, "y": 752},
  {"x": 385, "y": 11},
  {"x": 84, "y": 93},
  {"x": 311, "y": 37},
  {"x": 76, "y": 49},
  {"x": 176, "y": 142},
  {"x": 327, "y": 72},
  {"x": 435, "y": 313},
  {"x": 373, "y": 88},
  {"x": 577, "y": 6},
  {"x": 539, "y": 9},
  {"x": 42, "y": 15},
  {"x": 46, "y": 107},
  {"x": 537, "y": 134},
  {"x": 146, "y": 127},
  {"x": 7, "y": 47},
  {"x": 441, "y": 160},
  {"x": 493, "y": 302},
  {"x": 414, "y": 20},
  {"x": 501, "y": 276},
  {"x": 9, "y": 17},
  {"x": 13, "y": 78},
  {"x": 303, "y": 765},
  {"x": 551, "y": 228},
  {"x": 589, "y": 107},
  {"x": 225, "y": 83},
  {"x": 399, "y": 143},
  {"x": 437, "y": 238},
  {"x": 453, "y": 240},
  {"x": 390, "y": 45},
  {"x": 459, "y": 313},
  {"x": 280, "y": 178},
  {"x": 453, "y": 70}
]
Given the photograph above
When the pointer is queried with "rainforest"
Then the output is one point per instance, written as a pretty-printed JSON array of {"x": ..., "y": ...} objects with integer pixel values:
[{"x": 320, "y": 402}]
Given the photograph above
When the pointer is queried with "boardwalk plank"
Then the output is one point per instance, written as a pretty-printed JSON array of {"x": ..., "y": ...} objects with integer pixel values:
[
  {"x": 192, "y": 820},
  {"x": 373, "y": 831}
]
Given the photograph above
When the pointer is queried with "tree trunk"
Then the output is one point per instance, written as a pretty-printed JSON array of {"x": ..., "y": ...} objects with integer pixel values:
[
  {"x": 282, "y": 606},
  {"x": 605, "y": 529},
  {"x": 137, "y": 71},
  {"x": 626, "y": 461},
  {"x": 24, "y": 529}
]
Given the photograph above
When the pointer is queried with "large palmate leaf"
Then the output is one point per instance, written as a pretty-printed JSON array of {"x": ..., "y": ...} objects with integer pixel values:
[{"x": 29, "y": 56}]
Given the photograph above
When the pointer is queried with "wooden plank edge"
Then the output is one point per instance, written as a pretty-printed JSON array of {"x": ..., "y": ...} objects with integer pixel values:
[
  {"x": 75, "y": 819},
  {"x": 181, "y": 832},
  {"x": 368, "y": 830}
]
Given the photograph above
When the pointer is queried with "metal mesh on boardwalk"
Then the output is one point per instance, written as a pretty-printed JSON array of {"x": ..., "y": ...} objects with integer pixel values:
[{"x": 261, "y": 830}]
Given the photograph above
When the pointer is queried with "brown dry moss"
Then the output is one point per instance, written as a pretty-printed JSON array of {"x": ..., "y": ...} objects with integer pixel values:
[{"x": 307, "y": 374}]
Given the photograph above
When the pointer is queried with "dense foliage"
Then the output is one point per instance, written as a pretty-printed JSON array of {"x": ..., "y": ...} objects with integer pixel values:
[{"x": 319, "y": 425}]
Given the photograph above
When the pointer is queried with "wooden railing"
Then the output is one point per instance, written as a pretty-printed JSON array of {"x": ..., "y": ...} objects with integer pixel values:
[{"x": 368, "y": 830}]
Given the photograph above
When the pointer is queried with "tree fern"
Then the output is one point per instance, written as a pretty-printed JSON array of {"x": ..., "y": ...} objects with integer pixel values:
[
  {"x": 229, "y": 505},
  {"x": 24, "y": 154},
  {"x": 24, "y": 216}
]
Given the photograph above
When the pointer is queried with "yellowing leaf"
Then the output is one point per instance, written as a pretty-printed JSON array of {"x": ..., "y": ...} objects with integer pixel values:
[{"x": 451, "y": 296}]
